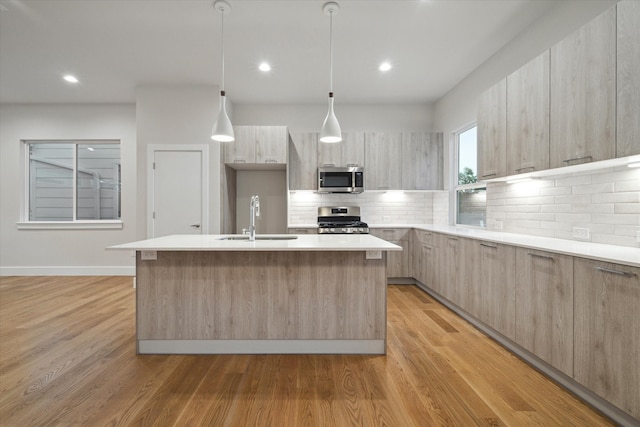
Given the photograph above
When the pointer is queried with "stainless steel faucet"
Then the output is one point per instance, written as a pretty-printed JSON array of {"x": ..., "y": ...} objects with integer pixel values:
[{"x": 254, "y": 211}]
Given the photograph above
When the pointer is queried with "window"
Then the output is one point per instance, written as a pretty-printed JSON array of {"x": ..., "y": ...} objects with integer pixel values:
[
  {"x": 470, "y": 195},
  {"x": 73, "y": 181}
]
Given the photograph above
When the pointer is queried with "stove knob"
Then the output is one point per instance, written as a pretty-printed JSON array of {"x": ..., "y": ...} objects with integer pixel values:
[{"x": 333, "y": 230}]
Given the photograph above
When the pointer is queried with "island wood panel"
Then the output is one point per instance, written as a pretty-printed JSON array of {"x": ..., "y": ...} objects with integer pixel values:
[
  {"x": 544, "y": 306},
  {"x": 261, "y": 295},
  {"x": 607, "y": 333},
  {"x": 628, "y": 79},
  {"x": 528, "y": 117},
  {"x": 583, "y": 94}
]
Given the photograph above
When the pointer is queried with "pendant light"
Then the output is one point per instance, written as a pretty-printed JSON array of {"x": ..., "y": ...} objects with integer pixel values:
[
  {"x": 330, "y": 131},
  {"x": 222, "y": 129}
]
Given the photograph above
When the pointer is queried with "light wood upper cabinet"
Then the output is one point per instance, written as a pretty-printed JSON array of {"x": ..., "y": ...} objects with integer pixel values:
[
  {"x": 492, "y": 132},
  {"x": 492, "y": 285},
  {"x": 583, "y": 94},
  {"x": 544, "y": 306},
  {"x": 422, "y": 161},
  {"x": 607, "y": 333},
  {"x": 303, "y": 162},
  {"x": 271, "y": 144},
  {"x": 243, "y": 149},
  {"x": 348, "y": 152},
  {"x": 383, "y": 160},
  {"x": 628, "y": 79},
  {"x": 528, "y": 117},
  {"x": 257, "y": 145}
]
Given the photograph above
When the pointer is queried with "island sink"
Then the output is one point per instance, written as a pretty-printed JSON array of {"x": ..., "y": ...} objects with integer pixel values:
[{"x": 259, "y": 238}]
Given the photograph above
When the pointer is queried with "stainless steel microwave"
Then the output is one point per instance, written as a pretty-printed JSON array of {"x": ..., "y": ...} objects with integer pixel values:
[{"x": 340, "y": 180}]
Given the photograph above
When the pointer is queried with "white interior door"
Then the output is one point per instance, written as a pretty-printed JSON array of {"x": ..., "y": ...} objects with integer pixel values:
[{"x": 178, "y": 196}]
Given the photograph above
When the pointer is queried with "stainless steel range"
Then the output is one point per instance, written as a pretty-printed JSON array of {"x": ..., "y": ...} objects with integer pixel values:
[{"x": 341, "y": 220}]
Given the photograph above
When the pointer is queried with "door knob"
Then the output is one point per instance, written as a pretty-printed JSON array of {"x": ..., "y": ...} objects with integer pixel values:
[{"x": 195, "y": 225}]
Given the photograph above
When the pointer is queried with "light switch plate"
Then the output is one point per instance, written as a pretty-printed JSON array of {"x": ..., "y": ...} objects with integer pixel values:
[
  {"x": 149, "y": 255},
  {"x": 374, "y": 254},
  {"x": 386, "y": 219}
]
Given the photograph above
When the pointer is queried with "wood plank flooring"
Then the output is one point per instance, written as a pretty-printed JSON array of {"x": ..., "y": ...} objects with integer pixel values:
[{"x": 67, "y": 358}]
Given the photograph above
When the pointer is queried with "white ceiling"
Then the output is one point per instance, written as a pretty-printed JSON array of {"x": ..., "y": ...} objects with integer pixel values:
[{"x": 114, "y": 45}]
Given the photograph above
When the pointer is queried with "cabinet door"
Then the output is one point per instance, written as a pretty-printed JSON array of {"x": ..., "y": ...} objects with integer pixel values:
[
  {"x": 383, "y": 157},
  {"x": 398, "y": 263},
  {"x": 352, "y": 149},
  {"x": 271, "y": 144},
  {"x": 628, "y": 81},
  {"x": 243, "y": 149},
  {"x": 422, "y": 159},
  {"x": 607, "y": 332},
  {"x": 492, "y": 132},
  {"x": 492, "y": 293},
  {"x": 528, "y": 117},
  {"x": 544, "y": 306},
  {"x": 583, "y": 94},
  {"x": 330, "y": 154},
  {"x": 302, "y": 164},
  {"x": 448, "y": 263}
]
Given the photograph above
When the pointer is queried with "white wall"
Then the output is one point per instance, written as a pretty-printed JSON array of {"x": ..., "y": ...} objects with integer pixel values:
[
  {"x": 177, "y": 114},
  {"x": 63, "y": 251},
  {"x": 352, "y": 117}
]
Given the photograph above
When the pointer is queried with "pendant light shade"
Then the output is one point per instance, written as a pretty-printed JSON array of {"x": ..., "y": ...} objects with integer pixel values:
[
  {"x": 330, "y": 131},
  {"x": 222, "y": 129}
]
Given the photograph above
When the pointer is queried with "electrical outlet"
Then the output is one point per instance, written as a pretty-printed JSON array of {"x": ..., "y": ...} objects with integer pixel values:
[
  {"x": 374, "y": 254},
  {"x": 386, "y": 219},
  {"x": 581, "y": 233},
  {"x": 149, "y": 255}
]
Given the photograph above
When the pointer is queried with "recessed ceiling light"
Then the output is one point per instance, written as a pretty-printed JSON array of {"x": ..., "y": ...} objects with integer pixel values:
[
  {"x": 385, "y": 66},
  {"x": 70, "y": 79},
  {"x": 265, "y": 67}
]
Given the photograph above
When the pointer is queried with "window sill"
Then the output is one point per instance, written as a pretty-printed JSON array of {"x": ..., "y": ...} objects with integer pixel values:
[{"x": 70, "y": 225}]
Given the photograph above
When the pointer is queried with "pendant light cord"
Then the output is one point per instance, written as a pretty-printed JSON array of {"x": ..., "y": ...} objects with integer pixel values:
[
  {"x": 331, "y": 53},
  {"x": 222, "y": 38}
]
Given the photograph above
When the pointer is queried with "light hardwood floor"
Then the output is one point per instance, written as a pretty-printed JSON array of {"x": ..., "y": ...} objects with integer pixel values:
[{"x": 67, "y": 358}]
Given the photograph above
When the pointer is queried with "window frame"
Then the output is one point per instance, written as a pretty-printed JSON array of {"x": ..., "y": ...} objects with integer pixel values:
[
  {"x": 456, "y": 187},
  {"x": 26, "y": 224}
]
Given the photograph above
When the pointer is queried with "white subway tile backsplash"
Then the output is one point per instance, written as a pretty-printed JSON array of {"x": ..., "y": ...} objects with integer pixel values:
[{"x": 607, "y": 202}]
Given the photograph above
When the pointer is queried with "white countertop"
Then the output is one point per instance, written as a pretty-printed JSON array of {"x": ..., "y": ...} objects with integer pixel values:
[
  {"x": 598, "y": 251},
  {"x": 303, "y": 242}
]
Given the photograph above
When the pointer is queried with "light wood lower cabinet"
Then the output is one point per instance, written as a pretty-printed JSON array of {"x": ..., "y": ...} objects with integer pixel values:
[
  {"x": 492, "y": 285},
  {"x": 607, "y": 332},
  {"x": 398, "y": 262},
  {"x": 544, "y": 306}
]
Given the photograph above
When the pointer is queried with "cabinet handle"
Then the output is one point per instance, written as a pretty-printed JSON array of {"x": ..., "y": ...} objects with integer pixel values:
[
  {"x": 489, "y": 174},
  {"x": 271, "y": 161},
  {"x": 352, "y": 165},
  {"x": 383, "y": 188},
  {"x": 541, "y": 256},
  {"x": 239, "y": 161},
  {"x": 618, "y": 272},
  {"x": 329, "y": 165},
  {"x": 488, "y": 246},
  {"x": 578, "y": 158},
  {"x": 426, "y": 247},
  {"x": 527, "y": 167},
  {"x": 452, "y": 238}
]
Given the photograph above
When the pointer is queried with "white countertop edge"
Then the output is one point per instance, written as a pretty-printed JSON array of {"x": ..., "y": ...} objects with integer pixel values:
[
  {"x": 597, "y": 251},
  {"x": 304, "y": 242}
]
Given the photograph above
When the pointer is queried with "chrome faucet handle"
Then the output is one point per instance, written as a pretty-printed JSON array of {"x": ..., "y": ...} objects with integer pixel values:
[
  {"x": 257, "y": 206},
  {"x": 245, "y": 231}
]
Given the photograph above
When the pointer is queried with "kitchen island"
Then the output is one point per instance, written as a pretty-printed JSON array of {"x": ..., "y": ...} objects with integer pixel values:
[{"x": 214, "y": 294}]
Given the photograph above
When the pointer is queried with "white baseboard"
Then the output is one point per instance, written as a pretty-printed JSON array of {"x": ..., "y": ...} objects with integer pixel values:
[{"x": 68, "y": 271}]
